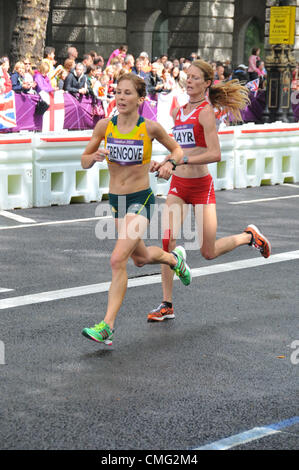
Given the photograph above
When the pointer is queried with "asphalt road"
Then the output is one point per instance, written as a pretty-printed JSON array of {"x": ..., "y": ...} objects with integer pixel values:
[{"x": 226, "y": 365}]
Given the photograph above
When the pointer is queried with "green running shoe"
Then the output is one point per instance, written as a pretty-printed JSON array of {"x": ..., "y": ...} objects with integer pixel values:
[
  {"x": 101, "y": 333},
  {"x": 182, "y": 269}
]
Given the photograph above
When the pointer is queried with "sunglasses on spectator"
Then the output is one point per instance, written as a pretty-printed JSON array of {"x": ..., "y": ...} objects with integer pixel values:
[{"x": 27, "y": 63}]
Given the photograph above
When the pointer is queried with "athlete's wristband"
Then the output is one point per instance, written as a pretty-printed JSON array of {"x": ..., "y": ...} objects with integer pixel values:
[{"x": 174, "y": 164}]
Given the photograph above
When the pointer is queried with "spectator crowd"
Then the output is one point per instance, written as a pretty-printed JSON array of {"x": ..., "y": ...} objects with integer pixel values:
[{"x": 90, "y": 76}]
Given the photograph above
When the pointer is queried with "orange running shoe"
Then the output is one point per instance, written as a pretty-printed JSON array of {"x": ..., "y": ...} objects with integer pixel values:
[
  {"x": 259, "y": 241},
  {"x": 161, "y": 313}
]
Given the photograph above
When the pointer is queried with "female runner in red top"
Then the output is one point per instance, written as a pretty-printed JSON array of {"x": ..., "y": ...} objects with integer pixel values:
[{"x": 195, "y": 131}]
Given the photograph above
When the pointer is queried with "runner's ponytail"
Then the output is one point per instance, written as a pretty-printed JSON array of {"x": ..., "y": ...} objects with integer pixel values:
[{"x": 230, "y": 96}]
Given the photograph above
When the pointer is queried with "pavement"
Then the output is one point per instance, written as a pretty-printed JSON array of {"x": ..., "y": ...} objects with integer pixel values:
[{"x": 226, "y": 367}]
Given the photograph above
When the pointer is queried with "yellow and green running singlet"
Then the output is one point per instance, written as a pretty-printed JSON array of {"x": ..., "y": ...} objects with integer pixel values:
[{"x": 134, "y": 148}]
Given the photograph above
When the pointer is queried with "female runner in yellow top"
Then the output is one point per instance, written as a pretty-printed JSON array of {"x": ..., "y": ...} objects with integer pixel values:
[{"x": 128, "y": 144}]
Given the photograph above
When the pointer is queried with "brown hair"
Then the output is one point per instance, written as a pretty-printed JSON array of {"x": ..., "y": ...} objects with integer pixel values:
[
  {"x": 138, "y": 83},
  {"x": 229, "y": 96},
  {"x": 69, "y": 64}
]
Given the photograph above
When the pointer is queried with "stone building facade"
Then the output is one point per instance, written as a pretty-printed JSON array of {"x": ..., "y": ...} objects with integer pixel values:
[{"x": 214, "y": 29}]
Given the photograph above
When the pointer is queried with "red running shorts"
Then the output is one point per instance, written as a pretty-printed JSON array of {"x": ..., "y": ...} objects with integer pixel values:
[{"x": 193, "y": 190}]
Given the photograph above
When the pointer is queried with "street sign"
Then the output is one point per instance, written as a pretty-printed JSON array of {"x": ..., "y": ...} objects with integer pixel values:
[{"x": 282, "y": 25}]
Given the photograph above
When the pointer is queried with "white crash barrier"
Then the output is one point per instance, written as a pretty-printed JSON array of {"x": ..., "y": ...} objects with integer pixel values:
[
  {"x": 60, "y": 179},
  {"x": 159, "y": 186},
  {"x": 223, "y": 172},
  {"x": 16, "y": 171},
  {"x": 43, "y": 169},
  {"x": 58, "y": 175},
  {"x": 266, "y": 154}
]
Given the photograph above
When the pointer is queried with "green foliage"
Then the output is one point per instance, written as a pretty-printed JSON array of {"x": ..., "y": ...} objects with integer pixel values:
[{"x": 254, "y": 37}]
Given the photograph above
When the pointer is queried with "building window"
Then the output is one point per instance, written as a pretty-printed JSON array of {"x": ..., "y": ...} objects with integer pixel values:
[{"x": 160, "y": 37}]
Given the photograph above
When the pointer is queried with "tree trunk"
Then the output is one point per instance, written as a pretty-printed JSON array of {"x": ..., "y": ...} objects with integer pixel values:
[{"x": 28, "y": 38}]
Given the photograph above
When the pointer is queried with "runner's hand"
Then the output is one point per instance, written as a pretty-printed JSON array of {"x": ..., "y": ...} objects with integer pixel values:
[
  {"x": 154, "y": 166},
  {"x": 165, "y": 171},
  {"x": 100, "y": 155}
]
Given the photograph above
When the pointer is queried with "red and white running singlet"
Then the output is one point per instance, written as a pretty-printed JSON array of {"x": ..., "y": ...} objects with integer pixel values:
[{"x": 187, "y": 131}]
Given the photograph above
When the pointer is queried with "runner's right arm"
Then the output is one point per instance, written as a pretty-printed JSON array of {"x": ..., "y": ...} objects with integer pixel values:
[
  {"x": 165, "y": 168},
  {"x": 92, "y": 153}
]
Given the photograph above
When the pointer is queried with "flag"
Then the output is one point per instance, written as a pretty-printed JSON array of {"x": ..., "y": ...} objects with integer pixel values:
[
  {"x": 221, "y": 117},
  {"x": 166, "y": 103},
  {"x": 148, "y": 109},
  {"x": 174, "y": 105},
  {"x": 112, "y": 109},
  {"x": 253, "y": 86},
  {"x": 53, "y": 118},
  {"x": 7, "y": 110}
]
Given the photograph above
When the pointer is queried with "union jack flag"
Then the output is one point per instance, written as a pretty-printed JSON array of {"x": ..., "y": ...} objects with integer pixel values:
[
  {"x": 7, "y": 110},
  {"x": 253, "y": 86}
]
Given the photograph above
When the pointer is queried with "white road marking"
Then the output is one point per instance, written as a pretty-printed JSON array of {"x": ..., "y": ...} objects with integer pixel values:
[
  {"x": 4, "y": 289},
  {"x": 31, "y": 299},
  {"x": 248, "y": 436},
  {"x": 265, "y": 199},
  {"x": 16, "y": 217},
  {"x": 238, "y": 439},
  {"x": 56, "y": 222}
]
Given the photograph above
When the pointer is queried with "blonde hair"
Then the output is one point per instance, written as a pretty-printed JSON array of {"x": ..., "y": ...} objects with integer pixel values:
[
  {"x": 44, "y": 67},
  {"x": 108, "y": 69},
  {"x": 229, "y": 96},
  {"x": 19, "y": 64}
]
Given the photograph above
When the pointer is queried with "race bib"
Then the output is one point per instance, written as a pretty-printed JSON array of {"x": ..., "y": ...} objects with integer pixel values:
[
  {"x": 125, "y": 151},
  {"x": 184, "y": 135}
]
